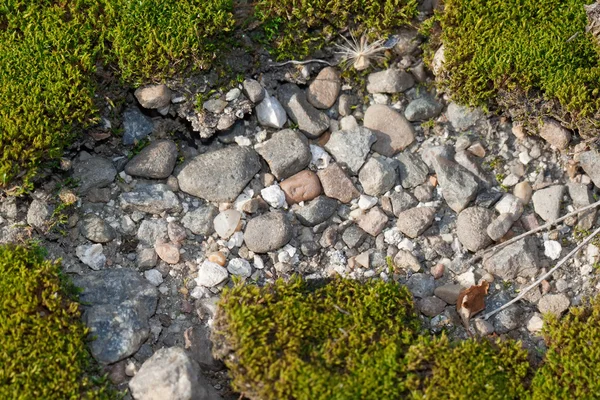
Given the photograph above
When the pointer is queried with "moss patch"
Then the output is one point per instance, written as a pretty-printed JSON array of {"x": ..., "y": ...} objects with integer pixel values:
[
  {"x": 526, "y": 47},
  {"x": 42, "y": 348}
]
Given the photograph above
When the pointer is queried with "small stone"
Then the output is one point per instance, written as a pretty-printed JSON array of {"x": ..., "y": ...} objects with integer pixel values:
[
  {"x": 287, "y": 153},
  {"x": 459, "y": 186},
  {"x": 353, "y": 236},
  {"x": 377, "y": 176},
  {"x": 254, "y": 91},
  {"x": 483, "y": 327},
  {"x": 535, "y": 323},
  {"x": 136, "y": 126},
  {"x": 437, "y": 64},
  {"x": 590, "y": 162},
  {"x": 519, "y": 132},
  {"x": 200, "y": 220},
  {"x": 38, "y": 214},
  {"x": 215, "y": 106},
  {"x": 373, "y": 221},
  {"x": 477, "y": 150},
  {"x": 402, "y": 201},
  {"x": 227, "y": 222},
  {"x": 303, "y": 186},
  {"x": 95, "y": 229},
  {"x": 311, "y": 121},
  {"x": 413, "y": 171},
  {"x": 274, "y": 196},
  {"x": 336, "y": 184},
  {"x": 552, "y": 249},
  {"x": 351, "y": 148},
  {"x": 316, "y": 211},
  {"x": 406, "y": 260},
  {"x": 553, "y": 133},
  {"x": 325, "y": 88},
  {"x": 153, "y": 199},
  {"x": 517, "y": 259},
  {"x": 176, "y": 232},
  {"x": 91, "y": 255},
  {"x": 146, "y": 258},
  {"x": 422, "y": 109},
  {"x": 154, "y": 277},
  {"x": 555, "y": 304},
  {"x": 463, "y": 118},
  {"x": 389, "y": 81},
  {"x": 415, "y": 221},
  {"x": 239, "y": 267},
  {"x": 348, "y": 123},
  {"x": 153, "y": 96},
  {"x": 546, "y": 202},
  {"x": 421, "y": 285},
  {"x": 279, "y": 232},
  {"x": 449, "y": 292},
  {"x": 471, "y": 226},
  {"x": 523, "y": 191},
  {"x": 437, "y": 271},
  {"x": 510, "y": 204},
  {"x": 217, "y": 258},
  {"x": 431, "y": 306},
  {"x": 500, "y": 226},
  {"x": 167, "y": 252},
  {"x": 362, "y": 260},
  {"x": 392, "y": 130},
  {"x": 211, "y": 274},
  {"x": 507, "y": 319},
  {"x": 155, "y": 161},
  {"x": 270, "y": 113},
  {"x": 152, "y": 231}
]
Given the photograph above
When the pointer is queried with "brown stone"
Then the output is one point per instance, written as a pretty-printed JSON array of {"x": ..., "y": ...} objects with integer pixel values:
[
  {"x": 336, "y": 184},
  {"x": 303, "y": 186},
  {"x": 324, "y": 90},
  {"x": 167, "y": 252},
  {"x": 394, "y": 132},
  {"x": 555, "y": 134},
  {"x": 373, "y": 221},
  {"x": 218, "y": 258}
]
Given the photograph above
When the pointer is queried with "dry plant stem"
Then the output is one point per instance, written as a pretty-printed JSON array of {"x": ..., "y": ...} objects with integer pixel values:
[
  {"x": 477, "y": 257},
  {"x": 546, "y": 275},
  {"x": 302, "y": 63}
]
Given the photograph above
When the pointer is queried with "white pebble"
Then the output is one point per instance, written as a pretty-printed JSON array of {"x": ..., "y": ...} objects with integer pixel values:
[
  {"x": 258, "y": 262},
  {"x": 154, "y": 276},
  {"x": 320, "y": 158},
  {"x": 274, "y": 196},
  {"x": 552, "y": 249},
  {"x": 365, "y": 202}
]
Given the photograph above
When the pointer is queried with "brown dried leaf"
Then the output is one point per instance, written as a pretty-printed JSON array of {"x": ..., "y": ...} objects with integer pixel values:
[{"x": 471, "y": 301}]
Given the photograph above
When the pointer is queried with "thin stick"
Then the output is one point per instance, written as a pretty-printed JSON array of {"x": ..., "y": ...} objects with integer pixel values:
[
  {"x": 477, "y": 257},
  {"x": 547, "y": 274},
  {"x": 302, "y": 62}
]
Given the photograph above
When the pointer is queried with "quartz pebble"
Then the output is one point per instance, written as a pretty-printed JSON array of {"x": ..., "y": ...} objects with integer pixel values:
[{"x": 226, "y": 223}]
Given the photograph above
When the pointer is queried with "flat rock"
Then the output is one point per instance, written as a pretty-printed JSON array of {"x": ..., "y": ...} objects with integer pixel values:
[
  {"x": 287, "y": 152},
  {"x": 546, "y": 202},
  {"x": 136, "y": 126},
  {"x": 377, "y": 176},
  {"x": 404, "y": 259},
  {"x": 270, "y": 113},
  {"x": 200, "y": 220},
  {"x": 91, "y": 255},
  {"x": 459, "y": 186},
  {"x": 393, "y": 131},
  {"x": 253, "y": 90},
  {"x": 210, "y": 274},
  {"x": 167, "y": 252},
  {"x": 303, "y": 186},
  {"x": 421, "y": 285},
  {"x": 373, "y": 221},
  {"x": 555, "y": 304},
  {"x": 415, "y": 221},
  {"x": 555, "y": 134},
  {"x": 463, "y": 118},
  {"x": 93, "y": 172},
  {"x": 431, "y": 306},
  {"x": 351, "y": 147},
  {"x": 402, "y": 201},
  {"x": 311, "y": 121},
  {"x": 279, "y": 231},
  {"x": 412, "y": 170},
  {"x": 96, "y": 229},
  {"x": 117, "y": 304},
  {"x": 153, "y": 96},
  {"x": 389, "y": 81},
  {"x": 155, "y": 161},
  {"x": 471, "y": 226},
  {"x": 517, "y": 259},
  {"x": 316, "y": 211},
  {"x": 590, "y": 162},
  {"x": 325, "y": 88},
  {"x": 422, "y": 109},
  {"x": 220, "y": 175},
  {"x": 448, "y": 292},
  {"x": 153, "y": 199},
  {"x": 171, "y": 374},
  {"x": 336, "y": 183}
]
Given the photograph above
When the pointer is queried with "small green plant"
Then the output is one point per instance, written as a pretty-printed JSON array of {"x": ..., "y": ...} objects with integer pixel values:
[{"x": 42, "y": 340}]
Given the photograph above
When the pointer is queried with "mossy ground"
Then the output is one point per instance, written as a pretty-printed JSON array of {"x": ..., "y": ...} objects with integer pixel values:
[
  {"x": 529, "y": 55},
  {"x": 42, "y": 339}
]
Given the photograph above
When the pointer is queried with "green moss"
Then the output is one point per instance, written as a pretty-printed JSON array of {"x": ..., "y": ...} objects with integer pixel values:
[
  {"x": 295, "y": 28},
  {"x": 570, "y": 369},
  {"x": 527, "y": 47},
  {"x": 343, "y": 340},
  {"x": 467, "y": 370},
  {"x": 42, "y": 348}
]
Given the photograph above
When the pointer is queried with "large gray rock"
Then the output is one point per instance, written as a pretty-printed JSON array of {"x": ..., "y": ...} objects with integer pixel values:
[
  {"x": 351, "y": 147},
  {"x": 153, "y": 199},
  {"x": 316, "y": 211},
  {"x": 471, "y": 226},
  {"x": 413, "y": 171},
  {"x": 94, "y": 228},
  {"x": 117, "y": 304},
  {"x": 590, "y": 162},
  {"x": 325, "y": 88},
  {"x": 415, "y": 221},
  {"x": 171, "y": 374},
  {"x": 459, "y": 186},
  {"x": 287, "y": 152},
  {"x": 268, "y": 232},
  {"x": 394, "y": 133},
  {"x": 377, "y": 176},
  {"x": 389, "y": 81},
  {"x": 546, "y": 202},
  {"x": 136, "y": 126},
  {"x": 463, "y": 118},
  {"x": 156, "y": 160},
  {"x": 220, "y": 175},
  {"x": 422, "y": 109},
  {"x": 311, "y": 121},
  {"x": 517, "y": 259},
  {"x": 200, "y": 220},
  {"x": 93, "y": 172},
  {"x": 270, "y": 112}
]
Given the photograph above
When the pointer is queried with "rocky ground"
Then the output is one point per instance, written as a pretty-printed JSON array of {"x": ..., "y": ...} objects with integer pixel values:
[{"x": 298, "y": 171}]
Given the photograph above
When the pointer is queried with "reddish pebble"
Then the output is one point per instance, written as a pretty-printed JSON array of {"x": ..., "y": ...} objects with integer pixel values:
[{"x": 437, "y": 271}]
